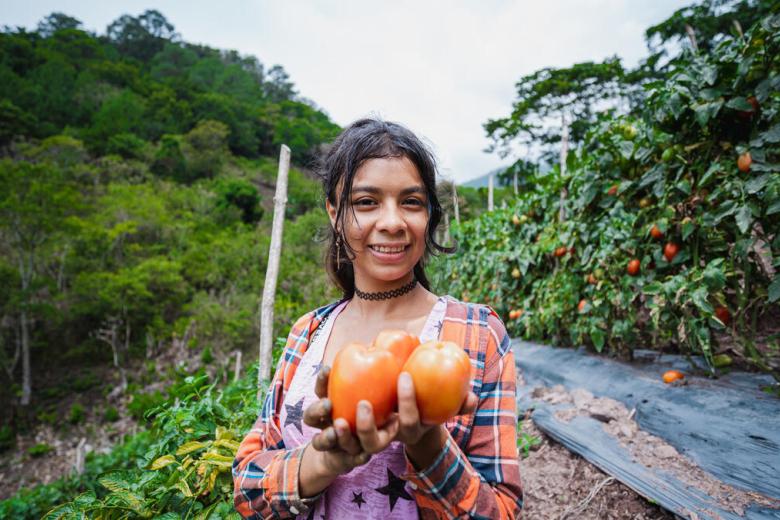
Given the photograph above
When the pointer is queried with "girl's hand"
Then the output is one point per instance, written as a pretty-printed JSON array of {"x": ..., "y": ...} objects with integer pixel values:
[
  {"x": 337, "y": 450},
  {"x": 405, "y": 425}
]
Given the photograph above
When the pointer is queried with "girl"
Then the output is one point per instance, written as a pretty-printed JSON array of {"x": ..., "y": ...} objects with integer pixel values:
[{"x": 379, "y": 184}]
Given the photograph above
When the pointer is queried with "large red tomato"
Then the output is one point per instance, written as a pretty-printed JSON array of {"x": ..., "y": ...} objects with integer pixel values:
[
  {"x": 440, "y": 371},
  {"x": 361, "y": 372},
  {"x": 399, "y": 342},
  {"x": 633, "y": 267},
  {"x": 670, "y": 251}
]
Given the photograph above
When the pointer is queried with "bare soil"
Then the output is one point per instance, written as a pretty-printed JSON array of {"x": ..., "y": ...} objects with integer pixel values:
[{"x": 558, "y": 485}]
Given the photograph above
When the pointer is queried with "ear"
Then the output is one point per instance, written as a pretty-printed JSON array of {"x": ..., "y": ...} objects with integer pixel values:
[{"x": 331, "y": 213}]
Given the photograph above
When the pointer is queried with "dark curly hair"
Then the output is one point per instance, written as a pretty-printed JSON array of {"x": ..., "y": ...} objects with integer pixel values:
[{"x": 373, "y": 139}]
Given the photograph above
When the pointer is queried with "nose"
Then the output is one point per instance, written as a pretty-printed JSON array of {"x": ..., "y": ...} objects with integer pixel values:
[{"x": 391, "y": 219}]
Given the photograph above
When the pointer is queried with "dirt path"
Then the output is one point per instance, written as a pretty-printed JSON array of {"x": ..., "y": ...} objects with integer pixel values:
[{"x": 560, "y": 485}]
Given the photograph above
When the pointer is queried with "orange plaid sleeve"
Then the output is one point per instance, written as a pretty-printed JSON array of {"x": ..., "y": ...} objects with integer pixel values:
[
  {"x": 265, "y": 473},
  {"x": 477, "y": 475}
]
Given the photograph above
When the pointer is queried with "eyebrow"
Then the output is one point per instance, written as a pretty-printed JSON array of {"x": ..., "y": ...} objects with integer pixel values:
[{"x": 374, "y": 189}]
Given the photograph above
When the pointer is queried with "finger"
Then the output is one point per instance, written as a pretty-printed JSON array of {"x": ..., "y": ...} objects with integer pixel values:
[
  {"x": 371, "y": 438},
  {"x": 321, "y": 385},
  {"x": 469, "y": 405},
  {"x": 409, "y": 414},
  {"x": 326, "y": 440},
  {"x": 317, "y": 415},
  {"x": 359, "y": 459},
  {"x": 346, "y": 440}
]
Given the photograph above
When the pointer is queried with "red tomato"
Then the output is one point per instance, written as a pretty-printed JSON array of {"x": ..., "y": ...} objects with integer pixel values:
[
  {"x": 397, "y": 341},
  {"x": 560, "y": 251},
  {"x": 673, "y": 375},
  {"x": 613, "y": 190},
  {"x": 723, "y": 314},
  {"x": 670, "y": 251},
  {"x": 633, "y": 267},
  {"x": 361, "y": 372},
  {"x": 440, "y": 371},
  {"x": 581, "y": 306},
  {"x": 656, "y": 232},
  {"x": 744, "y": 161}
]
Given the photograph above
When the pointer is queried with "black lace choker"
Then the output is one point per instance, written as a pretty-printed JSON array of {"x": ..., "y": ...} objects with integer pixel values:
[{"x": 386, "y": 295}]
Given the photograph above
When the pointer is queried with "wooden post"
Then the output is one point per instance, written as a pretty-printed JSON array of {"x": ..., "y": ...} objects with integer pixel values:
[
  {"x": 692, "y": 37},
  {"x": 272, "y": 272},
  {"x": 515, "y": 182},
  {"x": 237, "y": 371},
  {"x": 446, "y": 228},
  {"x": 455, "y": 203},
  {"x": 490, "y": 192},
  {"x": 81, "y": 455},
  {"x": 564, "y": 154}
]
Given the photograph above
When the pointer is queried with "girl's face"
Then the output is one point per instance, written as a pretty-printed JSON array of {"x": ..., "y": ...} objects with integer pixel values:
[{"x": 387, "y": 231}]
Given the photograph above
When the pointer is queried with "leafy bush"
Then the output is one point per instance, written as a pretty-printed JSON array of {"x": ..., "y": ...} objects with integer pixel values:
[
  {"x": 143, "y": 403},
  {"x": 186, "y": 468},
  {"x": 111, "y": 414},
  {"x": 85, "y": 382},
  {"x": 76, "y": 413},
  {"x": 39, "y": 450},
  {"x": 676, "y": 168},
  {"x": 7, "y": 438}
]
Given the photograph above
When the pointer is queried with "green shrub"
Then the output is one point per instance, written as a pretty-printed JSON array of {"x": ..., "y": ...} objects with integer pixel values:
[
  {"x": 48, "y": 417},
  {"x": 206, "y": 357},
  {"x": 142, "y": 403},
  {"x": 7, "y": 438},
  {"x": 85, "y": 382},
  {"x": 76, "y": 414},
  {"x": 39, "y": 450},
  {"x": 111, "y": 414}
]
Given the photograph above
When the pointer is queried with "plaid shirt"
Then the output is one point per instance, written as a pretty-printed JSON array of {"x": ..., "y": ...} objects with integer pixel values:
[{"x": 475, "y": 475}]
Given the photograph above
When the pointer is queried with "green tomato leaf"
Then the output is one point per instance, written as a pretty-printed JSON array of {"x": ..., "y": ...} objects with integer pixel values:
[
  {"x": 756, "y": 184},
  {"x": 597, "y": 336},
  {"x": 774, "y": 290},
  {"x": 699, "y": 298},
  {"x": 740, "y": 103},
  {"x": 772, "y": 135},
  {"x": 744, "y": 218}
]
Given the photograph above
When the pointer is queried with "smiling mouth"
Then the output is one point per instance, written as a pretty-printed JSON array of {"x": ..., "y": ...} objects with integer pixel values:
[{"x": 389, "y": 250}]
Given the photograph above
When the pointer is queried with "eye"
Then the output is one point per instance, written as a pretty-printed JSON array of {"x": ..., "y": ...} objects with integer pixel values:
[
  {"x": 363, "y": 202},
  {"x": 416, "y": 202}
]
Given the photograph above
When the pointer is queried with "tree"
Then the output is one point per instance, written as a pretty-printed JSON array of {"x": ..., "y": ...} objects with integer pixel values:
[
  {"x": 141, "y": 37},
  {"x": 56, "y": 22},
  {"x": 26, "y": 189},
  {"x": 581, "y": 91},
  {"x": 278, "y": 86}
]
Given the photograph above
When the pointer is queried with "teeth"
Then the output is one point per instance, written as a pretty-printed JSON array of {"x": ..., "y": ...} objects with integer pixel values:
[{"x": 388, "y": 249}]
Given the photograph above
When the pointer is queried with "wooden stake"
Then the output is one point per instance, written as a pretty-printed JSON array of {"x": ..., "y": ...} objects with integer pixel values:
[
  {"x": 564, "y": 154},
  {"x": 490, "y": 192},
  {"x": 692, "y": 37},
  {"x": 237, "y": 371},
  {"x": 272, "y": 272},
  {"x": 455, "y": 203},
  {"x": 515, "y": 182}
]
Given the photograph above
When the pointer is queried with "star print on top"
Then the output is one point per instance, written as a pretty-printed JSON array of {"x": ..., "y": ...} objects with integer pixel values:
[{"x": 373, "y": 490}]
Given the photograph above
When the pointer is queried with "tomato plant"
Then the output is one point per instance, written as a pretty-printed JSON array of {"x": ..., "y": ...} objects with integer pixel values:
[{"x": 666, "y": 194}]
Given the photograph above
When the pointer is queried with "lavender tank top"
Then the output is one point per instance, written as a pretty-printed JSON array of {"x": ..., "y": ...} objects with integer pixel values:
[{"x": 374, "y": 490}]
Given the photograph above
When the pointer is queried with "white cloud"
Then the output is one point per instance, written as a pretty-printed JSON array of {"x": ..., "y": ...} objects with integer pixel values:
[{"x": 440, "y": 67}]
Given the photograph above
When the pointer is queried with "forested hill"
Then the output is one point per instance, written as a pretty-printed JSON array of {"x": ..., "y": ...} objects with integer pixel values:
[
  {"x": 134, "y": 171},
  {"x": 126, "y": 90}
]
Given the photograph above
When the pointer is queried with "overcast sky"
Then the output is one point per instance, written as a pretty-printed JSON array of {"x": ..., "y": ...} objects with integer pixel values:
[{"x": 442, "y": 68}]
